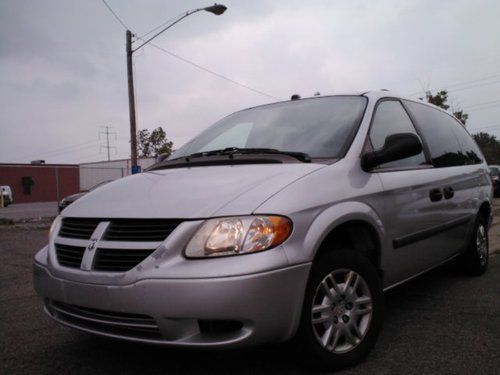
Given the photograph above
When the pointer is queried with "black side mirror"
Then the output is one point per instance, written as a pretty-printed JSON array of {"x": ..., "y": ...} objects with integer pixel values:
[{"x": 396, "y": 147}]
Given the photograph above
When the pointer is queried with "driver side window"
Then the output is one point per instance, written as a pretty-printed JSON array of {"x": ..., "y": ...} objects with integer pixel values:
[{"x": 391, "y": 118}]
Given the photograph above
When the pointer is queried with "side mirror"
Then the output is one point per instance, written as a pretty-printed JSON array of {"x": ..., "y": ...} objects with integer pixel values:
[{"x": 396, "y": 147}]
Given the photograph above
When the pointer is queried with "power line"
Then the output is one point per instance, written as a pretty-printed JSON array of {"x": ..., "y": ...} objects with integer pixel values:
[
  {"x": 57, "y": 150},
  {"x": 212, "y": 72},
  {"x": 466, "y": 83},
  {"x": 481, "y": 108},
  {"x": 488, "y": 127},
  {"x": 481, "y": 104},
  {"x": 186, "y": 60},
  {"x": 115, "y": 15},
  {"x": 160, "y": 26},
  {"x": 474, "y": 86}
]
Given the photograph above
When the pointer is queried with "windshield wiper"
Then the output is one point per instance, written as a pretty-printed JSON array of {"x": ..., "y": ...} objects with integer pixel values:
[{"x": 246, "y": 151}]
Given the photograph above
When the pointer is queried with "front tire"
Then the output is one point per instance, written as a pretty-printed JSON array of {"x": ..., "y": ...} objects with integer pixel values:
[
  {"x": 474, "y": 261},
  {"x": 342, "y": 312}
]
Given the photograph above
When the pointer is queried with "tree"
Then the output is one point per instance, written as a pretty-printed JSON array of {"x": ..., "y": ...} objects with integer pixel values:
[
  {"x": 489, "y": 145},
  {"x": 441, "y": 99},
  {"x": 153, "y": 144}
]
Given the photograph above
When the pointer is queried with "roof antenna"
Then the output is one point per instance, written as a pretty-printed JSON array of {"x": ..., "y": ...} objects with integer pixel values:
[
  {"x": 295, "y": 97},
  {"x": 317, "y": 93}
]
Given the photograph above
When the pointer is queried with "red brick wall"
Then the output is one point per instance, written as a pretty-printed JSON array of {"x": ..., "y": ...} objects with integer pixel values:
[{"x": 45, "y": 188}]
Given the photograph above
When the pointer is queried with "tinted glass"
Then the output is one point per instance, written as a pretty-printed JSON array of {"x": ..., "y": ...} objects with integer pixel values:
[
  {"x": 494, "y": 172},
  {"x": 391, "y": 118},
  {"x": 320, "y": 127},
  {"x": 470, "y": 150},
  {"x": 439, "y": 135}
]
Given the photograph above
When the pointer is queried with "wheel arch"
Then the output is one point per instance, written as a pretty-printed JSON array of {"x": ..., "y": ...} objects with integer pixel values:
[
  {"x": 486, "y": 212},
  {"x": 341, "y": 225}
]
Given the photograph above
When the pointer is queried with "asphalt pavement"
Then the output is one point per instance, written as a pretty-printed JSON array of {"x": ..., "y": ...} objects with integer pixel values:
[
  {"x": 21, "y": 211},
  {"x": 439, "y": 323}
]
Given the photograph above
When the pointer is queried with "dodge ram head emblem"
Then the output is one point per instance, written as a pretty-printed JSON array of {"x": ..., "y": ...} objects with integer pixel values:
[{"x": 91, "y": 245}]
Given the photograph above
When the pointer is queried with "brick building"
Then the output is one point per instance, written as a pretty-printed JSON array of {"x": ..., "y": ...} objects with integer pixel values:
[{"x": 40, "y": 182}]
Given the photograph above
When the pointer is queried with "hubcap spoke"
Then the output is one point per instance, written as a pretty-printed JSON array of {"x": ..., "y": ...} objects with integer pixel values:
[
  {"x": 320, "y": 309},
  {"x": 327, "y": 336},
  {"x": 349, "y": 336},
  {"x": 364, "y": 310},
  {"x": 351, "y": 282},
  {"x": 336, "y": 339},
  {"x": 362, "y": 300},
  {"x": 321, "y": 319},
  {"x": 356, "y": 330}
]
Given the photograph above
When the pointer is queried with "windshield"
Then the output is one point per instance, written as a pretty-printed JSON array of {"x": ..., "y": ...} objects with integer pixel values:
[
  {"x": 320, "y": 127},
  {"x": 494, "y": 172}
]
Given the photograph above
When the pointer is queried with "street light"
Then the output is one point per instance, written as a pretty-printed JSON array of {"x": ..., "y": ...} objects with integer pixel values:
[{"x": 216, "y": 9}]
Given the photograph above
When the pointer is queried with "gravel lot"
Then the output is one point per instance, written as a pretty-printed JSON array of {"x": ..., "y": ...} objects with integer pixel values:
[{"x": 441, "y": 323}]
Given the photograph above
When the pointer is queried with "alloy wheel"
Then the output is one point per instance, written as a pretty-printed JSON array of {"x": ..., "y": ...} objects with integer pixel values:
[
  {"x": 342, "y": 311},
  {"x": 482, "y": 244}
]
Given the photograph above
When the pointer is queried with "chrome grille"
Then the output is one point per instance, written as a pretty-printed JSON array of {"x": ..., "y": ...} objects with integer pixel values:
[
  {"x": 69, "y": 256},
  {"x": 114, "y": 245},
  {"x": 78, "y": 227},
  {"x": 111, "y": 322},
  {"x": 119, "y": 260},
  {"x": 140, "y": 229}
]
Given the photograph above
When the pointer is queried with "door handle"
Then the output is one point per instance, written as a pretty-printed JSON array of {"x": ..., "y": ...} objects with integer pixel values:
[
  {"x": 448, "y": 192},
  {"x": 436, "y": 195}
]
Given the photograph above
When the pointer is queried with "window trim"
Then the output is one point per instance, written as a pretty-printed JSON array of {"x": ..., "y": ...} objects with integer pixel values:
[{"x": 368, "y": 146}]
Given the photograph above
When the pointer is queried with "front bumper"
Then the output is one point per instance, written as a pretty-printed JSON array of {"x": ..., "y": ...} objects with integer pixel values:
[{"x": 260, "y": 307}]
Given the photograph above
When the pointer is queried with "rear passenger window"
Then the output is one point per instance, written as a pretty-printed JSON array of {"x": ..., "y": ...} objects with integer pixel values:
[
  {"x": 470, "y": 150},
  {"x": 391, "y": 118},
  {"x": 438, "y": 130}
]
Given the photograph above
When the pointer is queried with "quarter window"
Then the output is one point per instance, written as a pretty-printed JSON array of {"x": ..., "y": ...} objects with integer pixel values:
[
  {"x": 470, "y": 151},
  {"x": 391, "y": 118},
  {"x": 450, "y": 145}
]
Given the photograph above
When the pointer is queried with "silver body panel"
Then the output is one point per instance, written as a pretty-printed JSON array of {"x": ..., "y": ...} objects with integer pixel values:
[{"x": 263, "y": 290}]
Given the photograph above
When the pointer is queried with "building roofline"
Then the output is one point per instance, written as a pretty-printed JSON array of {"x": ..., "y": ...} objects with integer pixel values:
[{"x": 36, "y": 165}]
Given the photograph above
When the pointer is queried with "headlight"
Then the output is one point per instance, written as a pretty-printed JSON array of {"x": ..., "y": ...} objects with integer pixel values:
[{"x": 238, "y": 235}]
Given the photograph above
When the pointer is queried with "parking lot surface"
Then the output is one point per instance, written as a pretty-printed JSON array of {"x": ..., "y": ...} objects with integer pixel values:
[
  {"x": 439, "y": 323},
  {"x": 29, "y": 210}
]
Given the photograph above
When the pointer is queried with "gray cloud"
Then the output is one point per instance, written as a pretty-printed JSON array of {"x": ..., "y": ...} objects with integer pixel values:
[{"x": 62, "y": 63}]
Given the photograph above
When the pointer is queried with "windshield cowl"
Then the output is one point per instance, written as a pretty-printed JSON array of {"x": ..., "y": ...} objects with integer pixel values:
[{"x": 235, "y": 159}]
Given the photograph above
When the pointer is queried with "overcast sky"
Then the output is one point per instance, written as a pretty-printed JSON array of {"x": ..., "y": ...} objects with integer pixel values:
[{"x": 63, "y": 67}]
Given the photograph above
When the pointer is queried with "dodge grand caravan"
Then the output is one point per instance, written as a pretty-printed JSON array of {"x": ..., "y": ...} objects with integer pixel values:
[{"x": 282, "y": 221}]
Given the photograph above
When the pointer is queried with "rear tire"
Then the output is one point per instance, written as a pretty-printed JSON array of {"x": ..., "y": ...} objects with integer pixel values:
[
  {"x": 345, "y": 292},
  {"x": 474, "y": 261}
]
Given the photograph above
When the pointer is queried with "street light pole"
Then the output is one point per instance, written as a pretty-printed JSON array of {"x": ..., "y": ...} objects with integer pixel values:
[
  {"x": 131, "y": 105},
  {"x": 216, "y": 9}
]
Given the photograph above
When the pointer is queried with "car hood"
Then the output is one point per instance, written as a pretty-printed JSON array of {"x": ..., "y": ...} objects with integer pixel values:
[{"x": 196, "y": 192}]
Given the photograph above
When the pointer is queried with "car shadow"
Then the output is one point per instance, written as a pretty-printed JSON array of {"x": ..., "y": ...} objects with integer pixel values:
[{"x": 103, "y": 355}]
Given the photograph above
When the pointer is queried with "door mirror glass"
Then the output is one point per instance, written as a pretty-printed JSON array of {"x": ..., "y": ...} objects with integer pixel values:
[{"x": 396, "y": 147}]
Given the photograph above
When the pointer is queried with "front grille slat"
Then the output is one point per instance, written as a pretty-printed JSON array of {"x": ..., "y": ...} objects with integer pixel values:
[
  {"x": 69, "y": 256},
  {"x": 80, "y": 228},
  {"x": 116, "y": 260},
  {"x": 153, "y": 230},
  {"x": 124, "y": 324}
]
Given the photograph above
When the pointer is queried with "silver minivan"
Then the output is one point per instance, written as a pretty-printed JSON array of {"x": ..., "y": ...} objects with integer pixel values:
[{"x": 283, "y": 221}]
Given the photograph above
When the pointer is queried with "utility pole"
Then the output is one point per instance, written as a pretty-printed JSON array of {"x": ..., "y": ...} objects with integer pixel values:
[
  {"x": 107, "y": 133},
  {"x": 131, "y": 105},
  {"x": 216, "y": 9}
]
